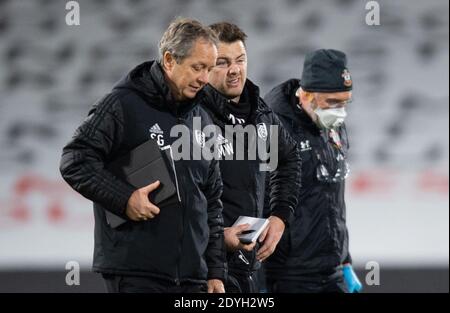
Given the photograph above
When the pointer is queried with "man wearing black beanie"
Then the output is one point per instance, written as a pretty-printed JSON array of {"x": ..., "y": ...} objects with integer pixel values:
[{"x": 313, "y": 255}]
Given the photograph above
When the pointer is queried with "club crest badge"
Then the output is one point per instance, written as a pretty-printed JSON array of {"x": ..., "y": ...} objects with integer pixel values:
[
  {"x": 262, "y": 131},
  {"x": 347, "y": 78},
  {"x": 200, "y": 138}
]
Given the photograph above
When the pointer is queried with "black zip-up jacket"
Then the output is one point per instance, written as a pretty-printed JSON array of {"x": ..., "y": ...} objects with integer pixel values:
[
  {"x": 244, "y": 183},
  {"x": 184, "y": 243},
  {"x": 317, "y": 241}
]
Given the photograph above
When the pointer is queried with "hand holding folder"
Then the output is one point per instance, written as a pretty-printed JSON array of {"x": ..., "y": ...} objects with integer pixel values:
[
  {"x": 142, "y": 167},
  {"x": 139, "y": 206}
]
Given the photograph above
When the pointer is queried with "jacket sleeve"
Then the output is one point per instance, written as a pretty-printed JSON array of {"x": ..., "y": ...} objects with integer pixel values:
[
  {"x": 348, "y": 259},
  {"x": 83, "y": 158},
  {"x": 215, "y": 253},
  {"x": 285, "y": 181}
]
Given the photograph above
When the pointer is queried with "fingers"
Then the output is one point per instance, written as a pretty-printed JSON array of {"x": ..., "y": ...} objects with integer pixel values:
[
  {"x": 241, "y": 228},
  {"x": 232, "y": 241},
  {"x": 153, "y": 209},
  {"x": 264, "y": 235},
  {"x": 147, "y": 216},
  {"x": 271, "y": 236},
  {"x": 152, "y": 187},
  {"x": 139, "y": 217},
  {"x": 215, "y": 286},
  {"x": 265, "y": 248},
  {"x": 139, "y": 207},
  {"x": 270, "y": 244},
  {"x": 268, "y": 248},
  {"x": 249, "y": 247},
  {"x": 212, "y": 286},
  {"x": 149, "y": 212}
]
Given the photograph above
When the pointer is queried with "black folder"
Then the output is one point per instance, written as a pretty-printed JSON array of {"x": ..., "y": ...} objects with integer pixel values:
[{"x": 141, "y": 167}]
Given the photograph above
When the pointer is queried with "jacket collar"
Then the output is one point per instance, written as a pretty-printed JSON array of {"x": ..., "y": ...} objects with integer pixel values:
[
  {"x": 149, "y": 81},
  {"x": 293, "y": 111},
  {"x": 216, "y": 102}
]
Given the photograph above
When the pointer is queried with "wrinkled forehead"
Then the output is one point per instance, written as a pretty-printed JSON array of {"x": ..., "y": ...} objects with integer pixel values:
[{"x": 202, "y": 52}]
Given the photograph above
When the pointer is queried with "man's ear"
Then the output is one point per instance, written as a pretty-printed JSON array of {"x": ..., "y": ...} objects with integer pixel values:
[
  {"x": 168, "y": 61},
  {"x": 309, "y": 96},
  {"x": 305, "y": 96}
]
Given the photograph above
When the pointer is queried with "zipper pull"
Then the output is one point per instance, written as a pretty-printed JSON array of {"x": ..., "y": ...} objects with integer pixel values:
[{"x": 243, "y": 258}]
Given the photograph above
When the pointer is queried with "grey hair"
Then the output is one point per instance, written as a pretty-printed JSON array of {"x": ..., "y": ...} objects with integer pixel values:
[{"x": 180, "y": 36}]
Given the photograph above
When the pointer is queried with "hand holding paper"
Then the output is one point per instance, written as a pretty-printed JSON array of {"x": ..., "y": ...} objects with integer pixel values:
[
  {"x": 252, "y": 233},
  {"x": 232, "y": 238},
  {"x": 270, "y": 238}
]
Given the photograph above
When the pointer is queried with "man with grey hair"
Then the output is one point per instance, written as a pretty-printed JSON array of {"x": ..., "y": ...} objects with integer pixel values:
[{"x": 178, "y": 246}]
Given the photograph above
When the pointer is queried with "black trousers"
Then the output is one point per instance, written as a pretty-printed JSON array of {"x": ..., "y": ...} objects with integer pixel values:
[
  {"x": 317, "y": 283},
  {"x": 242, "y": 283},
  {"x": 134, "y": 284}
]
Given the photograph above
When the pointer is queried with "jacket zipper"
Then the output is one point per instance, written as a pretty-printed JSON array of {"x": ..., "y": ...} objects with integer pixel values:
[
  {"x": 168, "y": 147},
  {"x": 176, "y": 175},
  {"x": 180, "y": 246},
  {"x": 331, "y": 199}
]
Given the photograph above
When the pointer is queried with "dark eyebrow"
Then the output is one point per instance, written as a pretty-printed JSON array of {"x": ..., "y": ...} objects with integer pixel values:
[{"x": 228, "y": 59}]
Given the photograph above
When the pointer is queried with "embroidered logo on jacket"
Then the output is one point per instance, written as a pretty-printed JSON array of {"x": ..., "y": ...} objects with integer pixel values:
[
  {"x": 262, "y": 131},
  {"x": 156, "y": 133},
  {"x": 305, "y": 146}
]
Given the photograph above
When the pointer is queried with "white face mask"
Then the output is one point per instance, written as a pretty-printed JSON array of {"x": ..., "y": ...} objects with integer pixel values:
[{"x": 330, "y": 118}]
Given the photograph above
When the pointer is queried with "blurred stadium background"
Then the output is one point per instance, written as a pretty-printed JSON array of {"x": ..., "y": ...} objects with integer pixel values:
[{"x": 398, "y": 192}]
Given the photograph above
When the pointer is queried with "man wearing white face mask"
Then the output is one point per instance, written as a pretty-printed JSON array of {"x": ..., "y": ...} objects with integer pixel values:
[{"x": 313, "y": 255}]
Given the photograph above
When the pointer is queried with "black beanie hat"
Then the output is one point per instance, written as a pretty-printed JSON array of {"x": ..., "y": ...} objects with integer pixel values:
[{"x": 326, "y": 71}]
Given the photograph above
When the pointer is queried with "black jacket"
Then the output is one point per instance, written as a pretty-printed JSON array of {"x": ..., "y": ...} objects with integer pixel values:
[
  {"x": 244, "y": 182},
  {"x": 317, "y": 241},
  {"x": 185, "y": 241}
]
